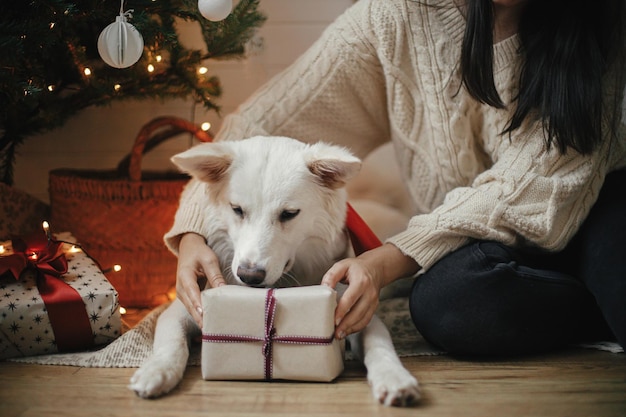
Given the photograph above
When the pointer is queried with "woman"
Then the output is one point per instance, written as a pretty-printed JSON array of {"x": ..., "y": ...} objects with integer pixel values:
[{"x": 505, "y": 118}]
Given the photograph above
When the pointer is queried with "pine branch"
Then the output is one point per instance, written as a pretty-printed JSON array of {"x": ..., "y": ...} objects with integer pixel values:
[
  {"x": 47, "y": 45},
  {"x": 7, "y": 157}
]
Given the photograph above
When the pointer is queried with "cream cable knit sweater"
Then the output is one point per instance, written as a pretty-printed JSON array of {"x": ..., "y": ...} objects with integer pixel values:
[{"x": 388, "y": 70}]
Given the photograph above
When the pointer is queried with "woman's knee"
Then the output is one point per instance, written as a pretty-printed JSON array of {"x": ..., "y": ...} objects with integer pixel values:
[
  {"x": 444, "y": 302},
  {"x": 479, "y": 300}
]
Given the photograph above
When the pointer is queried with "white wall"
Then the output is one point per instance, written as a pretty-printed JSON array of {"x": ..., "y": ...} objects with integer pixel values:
[{"x": 98, "y": 138}]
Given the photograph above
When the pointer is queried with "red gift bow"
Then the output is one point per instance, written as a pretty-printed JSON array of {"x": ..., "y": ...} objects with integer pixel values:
[
  {"x": 269, "y": 337},
  {"x": 65, "y": 306}
]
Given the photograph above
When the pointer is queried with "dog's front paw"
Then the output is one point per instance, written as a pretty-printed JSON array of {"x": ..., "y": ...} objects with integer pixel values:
[
  {"x": 156, "y": 377},
  {"x": 394, "y": 386}
]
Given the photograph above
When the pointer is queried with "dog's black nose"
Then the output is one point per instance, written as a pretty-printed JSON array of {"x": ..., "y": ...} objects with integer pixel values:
[{"x": 252, "y": 276}]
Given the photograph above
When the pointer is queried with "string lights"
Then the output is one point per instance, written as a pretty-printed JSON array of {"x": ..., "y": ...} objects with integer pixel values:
[
  {"x": 46, "y": 229},
  {"x": 114, "y": 268},
  {"x": 74, "y": 248},
  {"x": 54, "y": 70}
]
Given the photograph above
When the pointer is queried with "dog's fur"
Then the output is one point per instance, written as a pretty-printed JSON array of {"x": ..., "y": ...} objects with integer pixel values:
[{"x": 275, "y": 217}]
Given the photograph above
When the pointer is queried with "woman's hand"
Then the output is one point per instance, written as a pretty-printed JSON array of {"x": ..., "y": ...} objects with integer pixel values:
[
  {"x": 195, "y": 261},
  {"x": 358, "y": 304},
  {"x": 365, "y": 276}
]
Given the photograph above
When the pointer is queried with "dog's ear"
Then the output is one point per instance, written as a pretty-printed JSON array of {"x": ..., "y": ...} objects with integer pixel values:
[
  {"x": 332, "y": 165},
  {"x": 208, "y": 161}
]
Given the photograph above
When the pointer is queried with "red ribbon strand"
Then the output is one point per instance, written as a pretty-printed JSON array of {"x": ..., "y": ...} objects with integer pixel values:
[{"x": 65, "y": 306}]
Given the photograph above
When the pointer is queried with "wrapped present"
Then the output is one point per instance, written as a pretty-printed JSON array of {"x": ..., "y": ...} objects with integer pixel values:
[
  {"x": 53, "y": 298},
  {"x": 266, "y": 334}
]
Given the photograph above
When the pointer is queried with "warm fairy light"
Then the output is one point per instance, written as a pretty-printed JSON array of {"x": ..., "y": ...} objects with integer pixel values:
[
  {"x": 205, "y": 126},
  {"x": 2, "y": 249},
  {"x": 150, "y": 68},
  {"x": 33, "y": 256},
  {"x": 122, "y": 310},
  {"x": 203, "y": 70},
  {"x": 87, "y": 71},
  {"x": 52, "y": 25},
  {"x": 46, "y": 227},
  {"x": 158, "y": 58},
  {"x": 50, "y": 88},
  {"x": 74, "y": 249},
  {"x": 117, "y": 87},
  {"x": 171, "y": 293},
  {"x": 114, "y": 268}
]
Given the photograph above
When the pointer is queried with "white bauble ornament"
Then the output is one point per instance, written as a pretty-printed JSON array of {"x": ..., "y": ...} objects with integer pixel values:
[
  {"x": 120, "y": 44},
  {"x": 215, "y": 10}
]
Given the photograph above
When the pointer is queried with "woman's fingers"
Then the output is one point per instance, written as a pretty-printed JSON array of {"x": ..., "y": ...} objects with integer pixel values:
[
  {"x": 217, "y": 280},
  {"x": 358, "y": 304},
  {"x": 188, "y": 291},
  {"x": 196, "y": 261},
  {"x": 334, "y": 276}
]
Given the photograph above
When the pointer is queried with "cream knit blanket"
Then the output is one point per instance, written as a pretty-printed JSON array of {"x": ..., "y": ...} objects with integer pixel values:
[{"x": 135, "y": 345}]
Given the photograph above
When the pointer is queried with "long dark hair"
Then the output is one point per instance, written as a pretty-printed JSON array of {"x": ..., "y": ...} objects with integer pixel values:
[{"x": 568, "y": 47}]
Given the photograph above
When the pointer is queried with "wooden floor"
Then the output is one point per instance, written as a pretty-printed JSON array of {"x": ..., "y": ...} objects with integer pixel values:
[{"x": 572, "y": 383}]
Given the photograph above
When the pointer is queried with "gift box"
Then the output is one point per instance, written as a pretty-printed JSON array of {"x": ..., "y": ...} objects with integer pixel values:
[
  {"x": 53, "y": 298},
  {"x": 268, "y": 334}
]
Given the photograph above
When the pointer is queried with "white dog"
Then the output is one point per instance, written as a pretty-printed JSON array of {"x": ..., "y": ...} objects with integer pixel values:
[{"x": 275, "y": 216}]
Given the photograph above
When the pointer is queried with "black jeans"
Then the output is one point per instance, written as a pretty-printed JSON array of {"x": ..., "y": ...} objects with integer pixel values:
[{"x": 487, "y": 298}]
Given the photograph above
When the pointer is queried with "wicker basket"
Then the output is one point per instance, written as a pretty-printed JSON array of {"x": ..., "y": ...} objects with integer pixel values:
[{"x": 120, "y": 216}]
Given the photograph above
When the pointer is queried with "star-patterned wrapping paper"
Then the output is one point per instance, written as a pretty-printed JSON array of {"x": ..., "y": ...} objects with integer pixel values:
[{"x": 25, "y": 328}]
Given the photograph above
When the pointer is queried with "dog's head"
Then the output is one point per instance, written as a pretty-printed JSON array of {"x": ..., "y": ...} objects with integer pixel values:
[{"x": 275, "y": 196}]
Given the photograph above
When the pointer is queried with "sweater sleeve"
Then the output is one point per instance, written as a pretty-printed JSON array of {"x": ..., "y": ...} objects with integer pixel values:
[
  {"x": 334, "y": 93},
  {"x": 530, "y": 196},
  {"x": 188, "y": 218}
]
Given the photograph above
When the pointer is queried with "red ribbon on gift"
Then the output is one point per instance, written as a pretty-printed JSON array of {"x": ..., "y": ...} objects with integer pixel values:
[
  {"x": 361, "y": 236},
  {"x": 270, "y": 337},
  {"x": 65, "y": 306}
]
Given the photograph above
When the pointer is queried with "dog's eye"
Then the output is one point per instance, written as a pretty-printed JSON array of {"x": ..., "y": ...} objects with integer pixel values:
[
  {"x": 287, "y": 215},
  {"x": 237, "y": 210}
]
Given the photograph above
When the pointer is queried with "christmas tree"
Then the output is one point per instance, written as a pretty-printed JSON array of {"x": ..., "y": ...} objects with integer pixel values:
[{"x": 51, "y": 68}]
